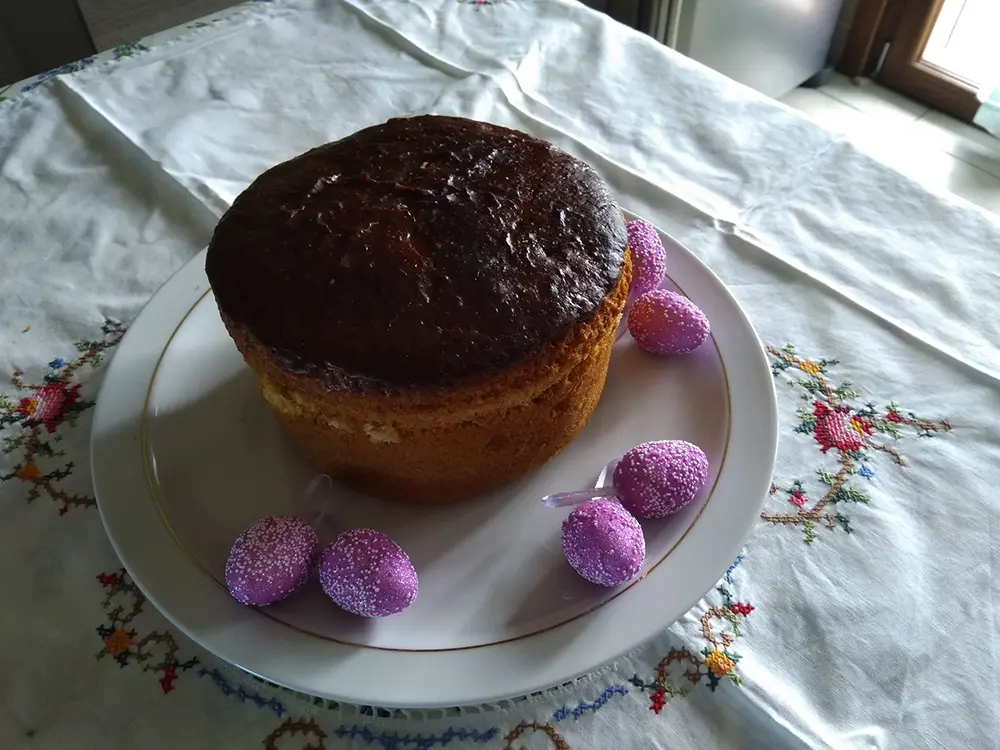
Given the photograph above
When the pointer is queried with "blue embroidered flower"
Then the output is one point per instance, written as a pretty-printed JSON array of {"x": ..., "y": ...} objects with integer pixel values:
[
  {"x": 57, "y": 363},
  {"x": 866, "y": 471}
]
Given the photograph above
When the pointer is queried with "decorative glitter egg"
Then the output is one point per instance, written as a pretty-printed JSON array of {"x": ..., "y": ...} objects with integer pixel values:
[
  {"x": 664, "y": 322},
  {"x": 656, "y": 479},
  {"x": 271, "y": 560},
  {"x": 603, "y": 542},
  {"x": 649, "y": 259},
  {"x": 366, "y": 573}
]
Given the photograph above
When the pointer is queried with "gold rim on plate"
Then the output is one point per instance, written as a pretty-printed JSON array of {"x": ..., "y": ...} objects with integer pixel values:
[{"x": 152, "y": 485}]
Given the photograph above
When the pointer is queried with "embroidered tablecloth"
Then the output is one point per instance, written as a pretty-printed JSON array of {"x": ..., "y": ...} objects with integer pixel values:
[{"x": 863, "y": 610}]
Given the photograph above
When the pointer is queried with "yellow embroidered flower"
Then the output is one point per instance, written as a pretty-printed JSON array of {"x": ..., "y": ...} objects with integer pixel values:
[
  {"x": 117, "y": 642},
  {"x": 28, "y": 406},
  {"x": 810, "y": 367},
  {"x": 860, "y": 426},
  {"x": 28, "y": 472},
  {"x": 718, "y": 663}
]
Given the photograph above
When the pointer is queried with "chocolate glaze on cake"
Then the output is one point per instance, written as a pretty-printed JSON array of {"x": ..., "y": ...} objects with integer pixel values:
[{"x": 421, "y": 252}]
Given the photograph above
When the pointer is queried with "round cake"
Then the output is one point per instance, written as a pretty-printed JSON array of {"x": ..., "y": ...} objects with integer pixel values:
[{"x": 429, "y": 304}]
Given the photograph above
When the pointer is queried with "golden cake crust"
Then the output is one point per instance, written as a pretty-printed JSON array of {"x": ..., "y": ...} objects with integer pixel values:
[{"x": 434, "y": 445}]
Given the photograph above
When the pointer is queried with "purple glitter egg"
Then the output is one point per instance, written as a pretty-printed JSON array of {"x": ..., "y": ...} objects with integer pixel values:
[
  {"x": 649, "y": 259},
  {"x": 656, "y": 479},
  {"x": 270, "y": 560},
  {"x": 663, "y": 322},
  {"x": 603, "y": 542},
  {"x": 366, "y": 573}
]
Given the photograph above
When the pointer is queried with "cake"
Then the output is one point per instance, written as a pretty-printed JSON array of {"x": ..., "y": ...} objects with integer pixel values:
[{"x": 429, "y": 304}]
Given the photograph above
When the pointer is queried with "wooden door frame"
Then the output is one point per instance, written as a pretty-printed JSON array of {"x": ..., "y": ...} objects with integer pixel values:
[{"x": 905, "y": 26}]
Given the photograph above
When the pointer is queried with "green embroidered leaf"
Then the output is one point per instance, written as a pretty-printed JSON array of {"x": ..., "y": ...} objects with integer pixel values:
[
  {"x": 845, "y": 392},
  {"x": 849, "y": 494},
  {"x": 43, "y": 448},
  {"x": 810, "y": 531},
  {"x": 635, "y": 680},
  {"x": 726, "y": 594},
  {"x": 9, "y": 419},
  {"x": 868, "y": 410},
  {"x": 826, "y": 477},
  {"x": 60, "y": 473},
  {"x": 808, "y": 423},
  {"x": 810, "y": 385},
  {"x": 887, "y": 427},
  {"x": 12, "y": 443}
]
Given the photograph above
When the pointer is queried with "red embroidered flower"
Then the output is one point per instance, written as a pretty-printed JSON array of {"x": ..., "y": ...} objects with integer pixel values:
[
  {"x": 840, "y": 428},
  {"x": 742, "y": 608},
  {"x": 797, "y": 499},
  {"x": 167, "y": 681},
  {"x": 658, "y": 700},
  {"x": 894, "y": 416},
  {"x": 49, "y": 405},
  {"x": 109, "y": 579}
]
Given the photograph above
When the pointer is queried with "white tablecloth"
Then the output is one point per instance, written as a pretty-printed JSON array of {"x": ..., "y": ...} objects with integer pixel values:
[{"x": 863, "y": 610}]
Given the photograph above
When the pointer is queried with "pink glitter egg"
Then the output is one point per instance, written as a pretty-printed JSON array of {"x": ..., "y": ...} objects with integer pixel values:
[
  {"x": 271, "y": 560},
  {"x": 649, "y": 259},
  {"x": 663, "y": 322},
  {"x": 603, "y": 542},
  {"x": 656, "y": 479},
  {"x": 366, "y": 573}
]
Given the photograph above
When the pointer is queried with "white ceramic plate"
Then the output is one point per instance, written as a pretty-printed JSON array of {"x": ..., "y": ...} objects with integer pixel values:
[{"x": 186, "y": 454}]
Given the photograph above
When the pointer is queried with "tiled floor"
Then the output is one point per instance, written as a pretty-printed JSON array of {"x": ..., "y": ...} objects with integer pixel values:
[{"x": 932, "y": 147}]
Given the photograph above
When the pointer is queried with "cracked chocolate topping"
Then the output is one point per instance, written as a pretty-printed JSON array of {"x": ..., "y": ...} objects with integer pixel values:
[{"x": 420, "y": 252}]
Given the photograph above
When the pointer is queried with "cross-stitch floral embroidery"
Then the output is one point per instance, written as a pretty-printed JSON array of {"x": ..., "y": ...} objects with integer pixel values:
[
  {"x": 853, "y": 433},
  {"x": 681, "y": 669},
  {"x": 155, "y": 651},
  {"x": 30, "y": 423},
  {"x": 128, "y": 49}
]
